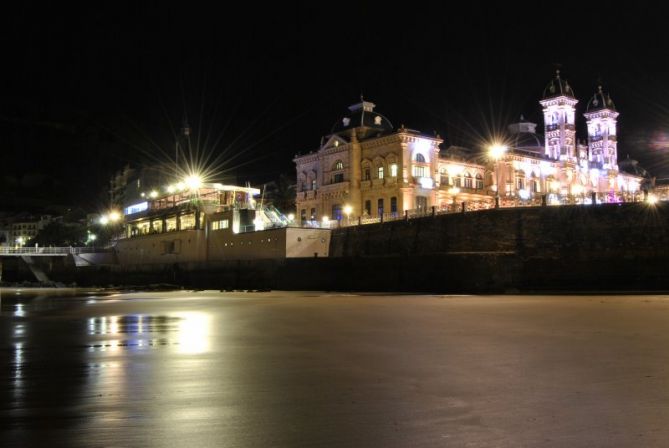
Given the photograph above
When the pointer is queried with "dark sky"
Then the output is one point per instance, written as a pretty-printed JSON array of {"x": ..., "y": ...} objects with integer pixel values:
[{"x": 86, "y": 90}]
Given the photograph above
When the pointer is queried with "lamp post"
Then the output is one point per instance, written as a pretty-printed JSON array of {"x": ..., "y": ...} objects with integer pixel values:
[
  {"x": 454, "y": 194},
  {"x": 496, "y": 152},
  {"x": 348, "y": 209}
]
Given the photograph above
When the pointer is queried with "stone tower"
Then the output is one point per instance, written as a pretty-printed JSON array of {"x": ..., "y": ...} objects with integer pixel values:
[
  {"x": 601, "y": 117},
  {"x": 559, "y": 106}
]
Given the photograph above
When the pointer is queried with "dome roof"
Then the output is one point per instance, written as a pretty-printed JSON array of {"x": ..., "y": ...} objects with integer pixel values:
[
  {"x": 362, "y": 115},
  {"x": 600, "y": 100},
  {"x": 523, "y": 136},
  {"x": 527, "y": 141},
  {"x": 632, "y": 166},
  {"x": 558, "y": 87}
]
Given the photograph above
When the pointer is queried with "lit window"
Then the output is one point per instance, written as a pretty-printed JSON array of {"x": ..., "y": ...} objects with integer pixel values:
[
  {"x": 419, "y": 171},
  {"x": 393, "y": 170},
  {"x": 313, "y": 184},
  {"x": 421, "y": 204},
  {"x": 444, "y": 178},
  {"x": 339, "y": 165},
  {"x": 380, "y": 171},
  {"x": 468, "y": 180},
  {"x": 479, "y": 182}
]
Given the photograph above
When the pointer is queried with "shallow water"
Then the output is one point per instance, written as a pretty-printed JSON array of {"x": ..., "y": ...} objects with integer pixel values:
[{"x": 173, "y": 369}]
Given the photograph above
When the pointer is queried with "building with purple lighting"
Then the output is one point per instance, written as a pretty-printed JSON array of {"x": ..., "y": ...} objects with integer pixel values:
[{"x": 365, "y": 169}]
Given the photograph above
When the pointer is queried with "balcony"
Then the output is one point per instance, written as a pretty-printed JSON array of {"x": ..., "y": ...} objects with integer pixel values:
[{"x": 424, "y": 182}]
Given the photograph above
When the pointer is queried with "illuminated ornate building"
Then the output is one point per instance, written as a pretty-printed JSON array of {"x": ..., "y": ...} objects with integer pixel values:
[
  {"x": 365, "y": 168},
  {"x": 564, "y": 169}
]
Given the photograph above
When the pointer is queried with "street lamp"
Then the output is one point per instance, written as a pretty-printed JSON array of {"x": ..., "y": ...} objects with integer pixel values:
[
  {"x": 496, "y": 152},
  {"x": 348, "y": 209},
  {"x": 453, "y": 191},
  {"x": 114, "y": 216}
]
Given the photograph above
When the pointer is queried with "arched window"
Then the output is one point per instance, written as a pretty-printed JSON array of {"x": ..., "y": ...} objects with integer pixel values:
[
  {"x": 366, "y": 170},
  {"x": 479, "y": 181},
  {"x": 337, "y": 212},
  {"x": 338, "y": 177},
  {"x": 445, "y": 180},
  {"x": 468, "y": 180},
  {"x": 420, "y": 158},
  {"x": 534, "y": 184}
]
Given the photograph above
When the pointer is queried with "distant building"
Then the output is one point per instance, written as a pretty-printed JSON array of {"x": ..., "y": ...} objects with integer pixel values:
[
  {"x": 367, "y": 168},
  {"x": 131, "y": 186},
  {"x": 23, "y": 229}
]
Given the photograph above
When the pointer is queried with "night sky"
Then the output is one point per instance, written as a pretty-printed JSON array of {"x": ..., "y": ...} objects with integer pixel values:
[{"x": 87, "y": 90}]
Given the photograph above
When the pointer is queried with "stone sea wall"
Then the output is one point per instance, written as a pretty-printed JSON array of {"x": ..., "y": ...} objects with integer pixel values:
[{"x": 570, "y": 248}]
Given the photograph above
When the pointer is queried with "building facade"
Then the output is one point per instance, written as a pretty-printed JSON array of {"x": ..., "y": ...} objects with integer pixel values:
[
  {"x": 366, "y": 168},
  {"x": 20, "y": 232}
]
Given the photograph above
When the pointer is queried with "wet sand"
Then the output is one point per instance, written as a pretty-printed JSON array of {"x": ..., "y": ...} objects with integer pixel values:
[{"x": 287, "y": 369}]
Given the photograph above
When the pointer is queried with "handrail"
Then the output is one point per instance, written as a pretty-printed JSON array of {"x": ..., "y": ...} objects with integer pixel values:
[{"x": 50, "y": 250}]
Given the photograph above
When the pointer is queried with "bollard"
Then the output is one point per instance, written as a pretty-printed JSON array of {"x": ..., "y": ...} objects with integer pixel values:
[
  {"x": 464, "y": 207},
  {"x": 543, "y": 200},
  {"x": 406, "y": 215},
  {"x": 593, "y": 197},
  {"x": 433, "y": 211}
]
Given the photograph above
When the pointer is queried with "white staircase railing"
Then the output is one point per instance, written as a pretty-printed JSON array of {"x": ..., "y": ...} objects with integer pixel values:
[{"x": 48, "y": 251}]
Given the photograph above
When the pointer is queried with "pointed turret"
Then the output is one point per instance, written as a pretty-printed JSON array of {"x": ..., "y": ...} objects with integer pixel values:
[
  {"x": 601, "y": 116},
  {"x": 559, "y": 107}
]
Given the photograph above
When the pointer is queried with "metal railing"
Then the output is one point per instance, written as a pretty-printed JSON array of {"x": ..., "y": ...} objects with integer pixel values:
[
  {"x": 506, "y": 201},
  {"x": 49, "y": 251}
]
